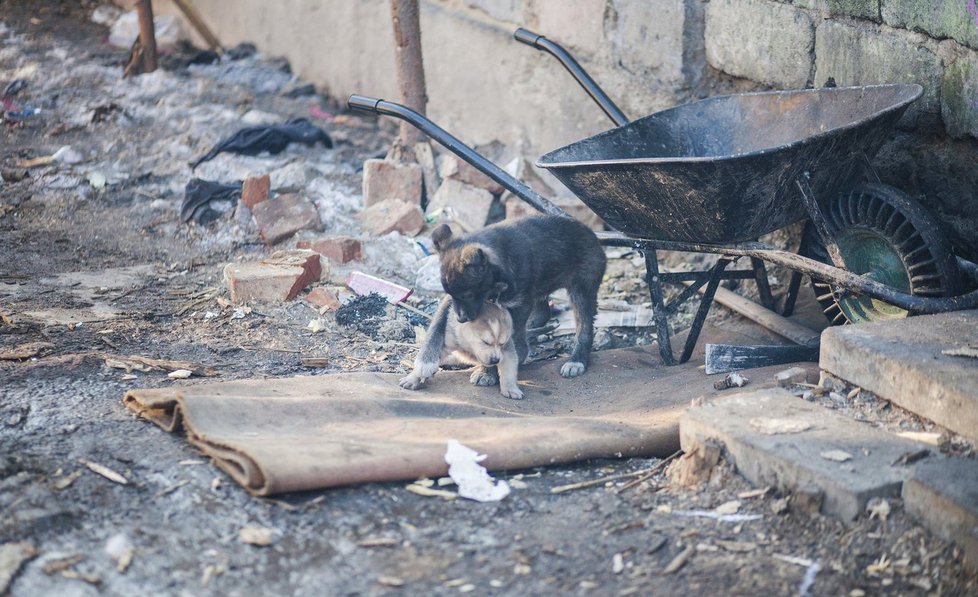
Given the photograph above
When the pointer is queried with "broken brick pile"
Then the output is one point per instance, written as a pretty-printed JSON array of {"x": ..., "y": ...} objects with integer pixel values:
[{"x": 403, "y": 197}]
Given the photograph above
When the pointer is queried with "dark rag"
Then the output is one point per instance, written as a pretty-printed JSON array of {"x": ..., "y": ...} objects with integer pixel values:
[
  {"x": 272, "y": 138},
  {"x": 198, "y": 196}
]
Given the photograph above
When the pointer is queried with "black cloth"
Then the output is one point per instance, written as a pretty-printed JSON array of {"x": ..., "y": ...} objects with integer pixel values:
[
  {"x": 198, "y": 196},
  {"x": 272, "y": 138}
]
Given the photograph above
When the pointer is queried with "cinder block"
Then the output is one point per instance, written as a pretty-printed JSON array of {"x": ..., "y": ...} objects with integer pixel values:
[
  {"x": 870, "y": 55},
  {"x": 903, "y": 361},
  {"x": 649, "y": 38},
  {"x": 764, "y": 41},
  {"x": 959, "y": 95},
  {"x": 861, "y": 9},
  {"x": 578, "y": 25},
  {"x": 776, "y": 439},
  {"x": 943, "y": 495},
  {"x": 937, "y": 18},
  {"x": 510, "y": 11}
]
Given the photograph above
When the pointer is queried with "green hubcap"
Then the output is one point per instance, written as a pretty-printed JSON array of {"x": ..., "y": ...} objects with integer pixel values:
[{"x": 866, "y": 252}]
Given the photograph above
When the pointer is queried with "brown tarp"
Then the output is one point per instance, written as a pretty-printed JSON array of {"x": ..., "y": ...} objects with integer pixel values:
[{"x": 280, "y": 435}]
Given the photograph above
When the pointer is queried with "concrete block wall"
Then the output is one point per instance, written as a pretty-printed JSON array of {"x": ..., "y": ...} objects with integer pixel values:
[{"x": 648, "y": 55}]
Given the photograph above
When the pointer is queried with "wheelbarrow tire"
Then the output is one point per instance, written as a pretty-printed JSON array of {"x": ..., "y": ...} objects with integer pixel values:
[{"x": 883, "y": 232}]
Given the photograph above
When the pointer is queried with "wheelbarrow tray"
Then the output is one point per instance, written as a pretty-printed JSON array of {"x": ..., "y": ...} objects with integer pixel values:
[{"x": 723, "y": 170}]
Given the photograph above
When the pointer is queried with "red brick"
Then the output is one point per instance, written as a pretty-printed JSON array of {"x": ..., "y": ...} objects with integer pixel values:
[
  {"x": 384, "y": 180},
  {"x": 393, "y": 215},
  {"x": 321, "y": 297},
  {"x": 338, "y": 249},
  {"x": 280, "y": 277},
  {"x": 280, "y": 218},
  {"x": 255, "y": 190}
]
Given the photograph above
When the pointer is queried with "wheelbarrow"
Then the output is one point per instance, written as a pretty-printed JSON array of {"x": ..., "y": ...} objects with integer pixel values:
[{"x": 714, "y": 175}]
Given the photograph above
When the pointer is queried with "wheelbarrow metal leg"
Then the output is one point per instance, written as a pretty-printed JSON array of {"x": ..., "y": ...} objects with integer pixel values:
[
  {"x": 705, "y": 302},
  {"x": 763, "y": 286},
  {"x": 658, "y": 307},
  {"x": 794, "y": 285}
]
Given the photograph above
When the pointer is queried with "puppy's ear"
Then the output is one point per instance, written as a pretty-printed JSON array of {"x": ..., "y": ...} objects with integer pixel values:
[
  {"x": 475, "y": 257},
  {"x": 441, "y": 236}
]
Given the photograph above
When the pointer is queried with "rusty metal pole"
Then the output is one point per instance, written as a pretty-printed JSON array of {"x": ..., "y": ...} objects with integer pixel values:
[
  {"x": 147, "y": 35},
  {"x": 410, "y": 69}
]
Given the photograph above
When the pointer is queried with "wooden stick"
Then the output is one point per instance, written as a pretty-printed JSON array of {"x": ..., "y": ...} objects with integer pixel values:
[
  {"x": 147, "y": 35},
  {"x": 198, "y": 23},
  {"x": 413, "y": 310},
  {"x": 781, "y": 326},
  {"x": 651, "y": 472}
]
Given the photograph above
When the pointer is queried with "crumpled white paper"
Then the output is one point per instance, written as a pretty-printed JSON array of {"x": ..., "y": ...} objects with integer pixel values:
[{"x": 473, "y": 481}]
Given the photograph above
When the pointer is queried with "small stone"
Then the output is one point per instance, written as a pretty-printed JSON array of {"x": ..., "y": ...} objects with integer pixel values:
[
  {"x": 386, "y": 179},
  {"x": 255, "y": 190},
  {"x": 467, "y": 205},
  {"x": 454, "y": 168},
  {"x": 808, "y": 500},
  {"x": 256, "y": 535},
  {"x": 278, "y": 219},
  {"x": 292, "y": 177},
  {"x": 732, "y": 380},
  {"x": 338, "y": 249},
  {"x": 791, "y": 377},
  {"x": 67, "y": 155},
  {"x": 278, "y": 278},
  {"x": 180, "y": 374},
  {"x": 393, "y": 215}
]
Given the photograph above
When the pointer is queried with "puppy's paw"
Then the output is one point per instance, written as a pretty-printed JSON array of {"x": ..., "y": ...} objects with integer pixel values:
[
  {"x": 425, "y": 370},
  {"x": 411, "y": 382},
  {"x": 484, "y": 376},
  {"x": 513, "y": 393},
  {"x": 572, "y": 369}
]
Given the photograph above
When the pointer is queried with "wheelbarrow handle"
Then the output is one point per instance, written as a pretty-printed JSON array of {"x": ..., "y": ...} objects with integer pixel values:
[
  {"x": 379, "y": 106},
  {"x": 535, "y": 40}
]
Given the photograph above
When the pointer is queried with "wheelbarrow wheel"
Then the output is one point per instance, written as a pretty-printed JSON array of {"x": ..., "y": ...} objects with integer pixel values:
[{"x": 883, "y": 233}]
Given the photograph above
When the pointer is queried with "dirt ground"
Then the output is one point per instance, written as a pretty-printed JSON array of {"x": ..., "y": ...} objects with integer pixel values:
[{"x": 156, "y": 292}]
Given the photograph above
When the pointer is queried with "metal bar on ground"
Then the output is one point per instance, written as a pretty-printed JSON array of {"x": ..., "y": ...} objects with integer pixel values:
[{"x": 722, "y": 358}]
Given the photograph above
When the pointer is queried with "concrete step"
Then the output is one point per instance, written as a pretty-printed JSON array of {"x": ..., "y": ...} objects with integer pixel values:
[
  {"x": 904, "y": 361},
  {"x": 775, "y": 439},
  {"x": 943, "y": 495}
]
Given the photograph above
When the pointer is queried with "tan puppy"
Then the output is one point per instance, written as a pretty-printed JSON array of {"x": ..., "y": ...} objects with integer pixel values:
[{"x": 486, "y": 341}]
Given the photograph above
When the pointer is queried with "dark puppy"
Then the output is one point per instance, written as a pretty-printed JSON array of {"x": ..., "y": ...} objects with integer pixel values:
[{"x": 518, "y": 264}]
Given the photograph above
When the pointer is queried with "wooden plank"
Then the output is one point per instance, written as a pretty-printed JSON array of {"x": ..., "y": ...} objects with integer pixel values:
[{"x": 781, "y": 326}]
